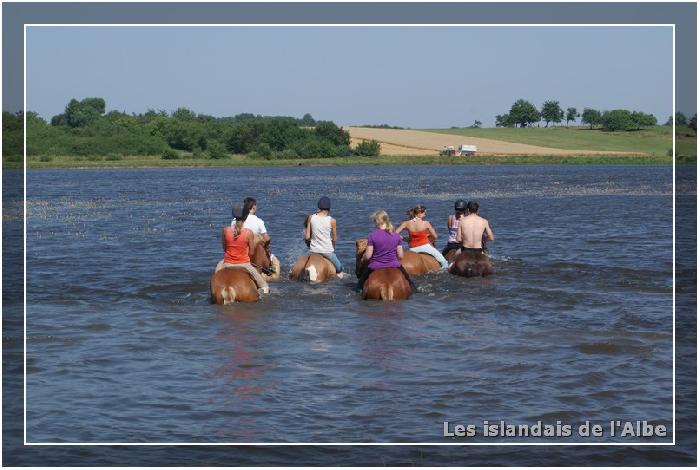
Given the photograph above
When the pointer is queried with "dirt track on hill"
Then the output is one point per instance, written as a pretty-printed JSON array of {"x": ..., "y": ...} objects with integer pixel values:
[{"x": 410, "y": 142}]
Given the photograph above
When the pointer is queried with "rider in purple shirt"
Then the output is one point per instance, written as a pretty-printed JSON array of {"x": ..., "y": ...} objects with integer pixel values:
[{"x": 384, "y": 249}]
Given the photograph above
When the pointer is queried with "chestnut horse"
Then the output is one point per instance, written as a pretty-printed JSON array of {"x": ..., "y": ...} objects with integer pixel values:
[
  {"x": 415, "y": 264},
  {"x": 382, "y": 284},
  {"x": 470, "y": 264},
  {"x": 230, "y": 285},
  {"x": 313, "y": 268}
]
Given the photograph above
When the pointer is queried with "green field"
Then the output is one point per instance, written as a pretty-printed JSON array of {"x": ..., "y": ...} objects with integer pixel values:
[{"x": 656, "y": 141}]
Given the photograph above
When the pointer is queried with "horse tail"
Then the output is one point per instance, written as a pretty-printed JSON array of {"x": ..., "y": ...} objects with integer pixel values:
[
  {"x": 228, "y": 295},
  {"x": 387, "y": 293},
  {"x": 310, "y": 273}
]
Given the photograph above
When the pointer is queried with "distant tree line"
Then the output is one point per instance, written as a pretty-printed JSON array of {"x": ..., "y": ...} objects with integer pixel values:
[
  {"x": 85, "y": 128},
  {"x": 523, "y": 114},
  {"x": 381, "y": 126},
  {"x": 682, "y": 120}
]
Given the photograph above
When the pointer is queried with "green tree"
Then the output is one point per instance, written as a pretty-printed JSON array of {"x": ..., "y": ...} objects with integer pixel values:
[
  {"x": 12, "y": 133},
  {"x": 551, "y": 112},
  {"x": 590, "y": 116},
  {"x": 308, "y": 120},
  {"x": 571, "y": 115},
  {"x": 640, "y": 119},
  {"x": 184, "y": 114},
  {"x": 368, "y": 148},
  {"x": 504, "y": 120},
  {"x": 523, "y": 113},
  {"x": 617, "y": 120},
  {"x": 477, "y": 124},
  {"x": 681, "y": 120},
  {"x": 329, "y": 131},
  {"x": 693, "y": 123},
  {"x": 81, "y": 113},
  {"x": 216, "y": 150}
]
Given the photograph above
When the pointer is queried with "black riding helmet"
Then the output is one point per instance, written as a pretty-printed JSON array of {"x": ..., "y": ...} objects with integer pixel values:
[
  {"x": 460, "y": 205},
  {"x": 237, "y": 211},
  {"x": 324, "y": 203}
]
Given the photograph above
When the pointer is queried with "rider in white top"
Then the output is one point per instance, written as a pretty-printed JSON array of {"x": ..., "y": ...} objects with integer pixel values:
[
  {"x": 256, "y": 225},
  {"x": 320, "y": 234}
]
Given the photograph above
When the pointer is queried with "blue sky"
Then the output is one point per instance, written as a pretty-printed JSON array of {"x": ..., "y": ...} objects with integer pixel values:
[{"x": 408, "y": 76}]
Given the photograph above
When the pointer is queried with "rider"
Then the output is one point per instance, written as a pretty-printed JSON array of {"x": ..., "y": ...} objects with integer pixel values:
[
  {"x": 471, "y": 230},
  {"x": 419, "y": 230},
  {"x": 238, "y": 243},
  {"x": 452, "y": 226},
  {"x": 321, "y": 235},
  {"x": 384, "y": 249},
  {"x": 256, "y": 225}
]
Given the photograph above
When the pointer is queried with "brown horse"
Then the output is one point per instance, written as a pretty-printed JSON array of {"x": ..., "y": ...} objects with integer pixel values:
[
  {"x": 415, "y": 264},
  {"x": 382, "y": 284},
  {"x": 230, "y": 285},
  {"x": 313, "y": 268},
  {"x": 469, "y": 264}
]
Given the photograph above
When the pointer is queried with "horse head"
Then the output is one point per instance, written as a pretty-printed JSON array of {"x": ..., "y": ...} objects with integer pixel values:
[
  {"x": 261, "y": 256},
  {"x": 360, "y": 248}
]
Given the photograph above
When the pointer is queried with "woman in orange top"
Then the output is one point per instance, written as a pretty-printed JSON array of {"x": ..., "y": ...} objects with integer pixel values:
[
  {"x": 419, "y": 231},
  {"x": 238, "y": 243}
]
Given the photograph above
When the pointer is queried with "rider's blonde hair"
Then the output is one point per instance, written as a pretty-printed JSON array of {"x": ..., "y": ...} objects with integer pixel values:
[{"x": 381, "y": 217}]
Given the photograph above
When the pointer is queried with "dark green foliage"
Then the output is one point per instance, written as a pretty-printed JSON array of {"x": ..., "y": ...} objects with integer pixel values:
[
  {"x": 216, "y": 150},
  {"x": 329, "y": 131},
  {"x": 552, "y": 112},
  {"x": 263, "y": 149},
  {"x": 381, "y": 126},
  {"x": 343, "y": 151},
  {"x": 571, "y": 115},
  {"x": 368, "y": 148},
  {"x": 170, "y": 154},
  {"x": 504, "y": 120},
  {"x": 523, "y": 113},
  {"x": 12, "y": 133},
  {"x": 617, "y": 120},
  {"x": 80, "y": 113},
  {"x": 85, "y": 130},
  {"x": 624, "y": 120},
  {"x": 640, "y": 120},
  {"x": 590, "y": 116},
  {"x": 681, "y": 120},
  {"x": 45, "y": 158},
  {"x": 476, "y": 125},
  {"x": 693, "y": 123}
]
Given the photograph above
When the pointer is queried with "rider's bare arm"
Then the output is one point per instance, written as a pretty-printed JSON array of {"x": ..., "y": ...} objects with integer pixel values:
[
  {"x": 334, "y": 234},
  {"x": 432, "y": 231},
  {"x": 223, "y": 238},
  {"x": 458, "y": 237},
  {"x": 400, "y": 228},
  {"x": 489, "y": 233},
  {"x": 307, "y": 230},
  {"x": 368, "y": 253},
  {"x": 251, "y": 243},
  {"x": 399, "y": 251}
]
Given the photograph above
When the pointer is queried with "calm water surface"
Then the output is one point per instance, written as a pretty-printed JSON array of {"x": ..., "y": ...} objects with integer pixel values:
[{"x": 124, "y": 346}]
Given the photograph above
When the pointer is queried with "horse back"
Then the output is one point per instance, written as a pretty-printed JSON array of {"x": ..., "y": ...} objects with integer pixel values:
[
  {"x": 386, "y": 284},
  {"x": 230, "y": 285}
]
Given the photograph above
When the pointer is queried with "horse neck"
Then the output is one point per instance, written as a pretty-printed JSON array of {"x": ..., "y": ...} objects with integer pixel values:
[{"x": 260, "y": 256}]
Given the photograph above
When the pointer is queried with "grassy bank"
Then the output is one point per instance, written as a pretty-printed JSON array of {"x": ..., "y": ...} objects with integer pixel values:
[
  {"x": 656, "y": 140},
  {"x": 243, "y": 161}
]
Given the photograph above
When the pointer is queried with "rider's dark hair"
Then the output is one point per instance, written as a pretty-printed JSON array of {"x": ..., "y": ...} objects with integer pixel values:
[
  {"x": 248, "y": 204},
  {"x": 472, "y": 207}
]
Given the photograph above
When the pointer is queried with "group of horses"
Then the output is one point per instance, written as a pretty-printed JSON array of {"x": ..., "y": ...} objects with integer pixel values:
[{"x": 230, "y": 285}]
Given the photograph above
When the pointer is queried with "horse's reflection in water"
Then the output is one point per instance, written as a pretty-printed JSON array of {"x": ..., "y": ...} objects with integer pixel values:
[{"x": 242, "y": 373}]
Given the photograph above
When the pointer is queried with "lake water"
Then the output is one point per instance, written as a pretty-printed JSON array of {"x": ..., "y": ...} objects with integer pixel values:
[{"x": 123, "y": 344}]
